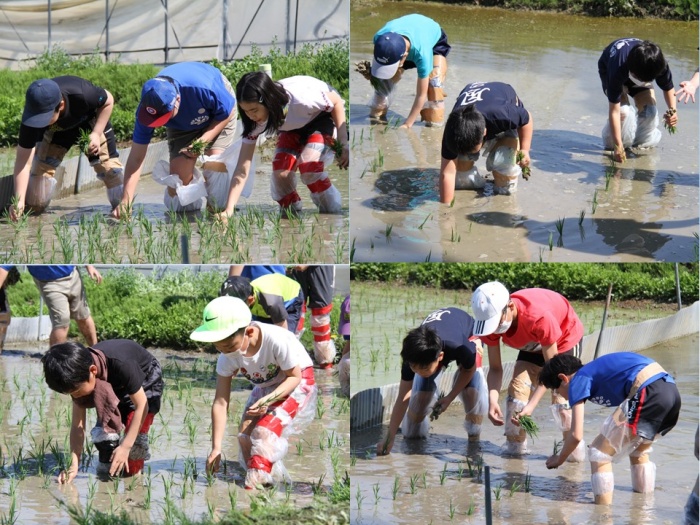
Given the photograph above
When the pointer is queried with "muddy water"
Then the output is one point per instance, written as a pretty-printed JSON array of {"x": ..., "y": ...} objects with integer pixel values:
[
  {"x": 45, "y": 414},
  {"x": 328, "y": 234},
  {"x": 647, "y": 211},
  {"x": 561, "y": 496}
]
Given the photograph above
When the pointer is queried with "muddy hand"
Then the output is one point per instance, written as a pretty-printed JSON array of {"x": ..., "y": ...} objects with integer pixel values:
[{"x": 364, "y": 68}]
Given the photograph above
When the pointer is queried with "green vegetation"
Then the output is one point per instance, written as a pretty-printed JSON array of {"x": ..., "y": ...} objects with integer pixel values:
[
  {"x": 576, "y": 281},
  {"x": 156, "y": 311},
  {"x": 328, "y": 62},
  {"x": 671, "y": 9}
]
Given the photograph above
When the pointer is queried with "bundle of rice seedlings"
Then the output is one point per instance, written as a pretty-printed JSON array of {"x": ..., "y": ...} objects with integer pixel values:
[
  {"x": 557, "y": 447},
  {"x": 437, "y": 407},
  {"x": 669, "y": 113},
  {"x": 529, "y": 426},
  {"x": 84, "y": 140},
  {"x": 198, "y": 147},
  {"x": 526, "y": 169}
]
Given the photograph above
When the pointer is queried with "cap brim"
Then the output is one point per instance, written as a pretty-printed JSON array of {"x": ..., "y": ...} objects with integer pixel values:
[
  {"x": 41, "y": 120},
  {"x": 205, "y": 335},
  {"x": 152, "y": 121},
  {"x": 384, "y": 72},
  {"x": 486, "y": 327}
]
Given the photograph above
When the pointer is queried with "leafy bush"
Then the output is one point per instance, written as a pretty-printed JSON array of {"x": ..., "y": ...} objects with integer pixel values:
[{"x": 576, "y": 281}]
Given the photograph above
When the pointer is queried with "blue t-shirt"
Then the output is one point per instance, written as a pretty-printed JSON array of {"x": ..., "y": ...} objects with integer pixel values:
[
  {"x": 253, "y": 271},
  {"x": 203, "y": 98},
  {"x": 454, "y": 327},
  {"x": 607, "y": 380},
  {"x": 614, "y": 72},
  {"x": 498, "y": 103},
  {"x": 423, "y": 33},
  {"x": 50, "y": 272}
]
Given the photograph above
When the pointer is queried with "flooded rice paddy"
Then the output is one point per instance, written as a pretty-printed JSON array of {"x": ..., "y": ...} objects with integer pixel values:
[
  {"x": 645, "y": 209},
  {"x": 35, "y": 424},
  {"x": 441, "y": 479},
  {"x": 79, "y": 229}
]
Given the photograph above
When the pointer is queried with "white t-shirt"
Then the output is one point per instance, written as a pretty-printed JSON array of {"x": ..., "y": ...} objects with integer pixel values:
[
  {"x": 308, "y": 98},
  {"x": 279, "y": 350}
]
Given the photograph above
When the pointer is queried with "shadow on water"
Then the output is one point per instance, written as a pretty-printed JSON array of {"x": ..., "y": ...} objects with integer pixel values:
[{"x": 405, "y": 189}]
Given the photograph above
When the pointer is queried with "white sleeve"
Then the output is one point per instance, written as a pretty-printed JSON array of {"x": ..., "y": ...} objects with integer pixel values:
[{"x": 226, "y": 366}]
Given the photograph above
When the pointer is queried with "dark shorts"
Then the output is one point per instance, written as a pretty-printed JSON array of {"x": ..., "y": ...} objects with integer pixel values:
[
  {"x": 537, "y": 358},
  {"x": 152, "y": 387},
  {"x": 294, "y": 313},
  {"x": 654, "y": 409},
  {"x": 317, "y": 284},
  {"x": 632, "y": 89},
  {"x": 69, "y": 137},
  {"x": 442, "y": 48}
]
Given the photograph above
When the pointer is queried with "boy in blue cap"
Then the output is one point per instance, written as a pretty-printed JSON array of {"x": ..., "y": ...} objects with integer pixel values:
[
  {"x": 56, "y": 112},
  {"x": 412, "y": 41},
  {"x": 193, "y": 101}
]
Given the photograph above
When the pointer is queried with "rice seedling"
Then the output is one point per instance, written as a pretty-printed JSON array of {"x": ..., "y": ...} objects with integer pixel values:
[
  {"x": 497, "y": 492},
  {"x": 528, "y": 479},
  {"x": 460, "y": 470},
  {"x": 317, "y": 487},
  {"x": 395, "y": 487},
  {"x": 455, "y": 237},
  {"x": 581, "y": 217},
  {"x": 424, "y": 221},
  {"x": 471, "y": 508},
  {"x": 83, "y": 141},
  {"x": 232, "y": 497},
  {"x": 359, "y": 498},
  {"x": 594, "y": 202},
  {"x": 198, "y": 147},
  {"x": 375, "y": 491},
  {"x": 387, "y": 230},
  {"x": 443, "y": 475},
  {"x": 427, "y": 258},
  {"x": 514, "y": 488},
  {"x": 413, "y": 483},
  {"x": 452, "y": 510},
  {"x": 452, "y": 202},
  {"x": 424, "y": 479},
  {"x": 529, "y": 426},
  {"x": 550, "y": 241},
  {"x": 559, "y": 224},
  {"x": 669, "y": 113},
  {"x": 437, "y": 407},
  {"x": 557, "y": 447}
]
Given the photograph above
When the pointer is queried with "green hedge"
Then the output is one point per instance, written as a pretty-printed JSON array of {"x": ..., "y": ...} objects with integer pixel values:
[
  {"x": 576, "y": 281},
  {"x": 329, "y": 62},
  {"x": 154, "y": 312}
]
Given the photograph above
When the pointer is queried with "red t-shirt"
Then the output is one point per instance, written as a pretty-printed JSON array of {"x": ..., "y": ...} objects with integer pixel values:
[{"x": 544, "y": 317}]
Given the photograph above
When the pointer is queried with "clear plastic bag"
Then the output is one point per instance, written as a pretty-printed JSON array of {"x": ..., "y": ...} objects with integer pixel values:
[
  {"x": 218, "y": 171},
  {"x": 187, "y": 198}
]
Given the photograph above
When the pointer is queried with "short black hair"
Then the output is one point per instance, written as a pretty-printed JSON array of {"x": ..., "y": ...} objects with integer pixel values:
[
  {"x": 258, "y": 87},
  {"x": 464, "y": 129},
  {"x": 66, "y": 366},
  {"x": 421, "y": 346},
  {"x": 237, "y": 286},
  {"x": 566, "y": 364},
  {"x": 646, "y": 61}
]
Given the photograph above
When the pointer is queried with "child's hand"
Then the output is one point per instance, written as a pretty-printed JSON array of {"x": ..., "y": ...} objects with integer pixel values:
[
  {"x": 385, "y": 445},
  {"x": 495, "y": 415},
  {"x": 671, "y": 117},
  {"x": 94, "y": 145},
  {"x": 444, "y": 403},
  {"x": 619, "y": 155},
  {"x": 213, "y": 461},
  {"x": 67, "y": 476},
  {"x": 553, "y": 461},
  {"x": 515, "y": 418},
  {"x": 344, "y": 159},
  {"x": 120, "y": 460},
  {"x": 687, "y": 91},
  {"x": 523, "y": 158}
]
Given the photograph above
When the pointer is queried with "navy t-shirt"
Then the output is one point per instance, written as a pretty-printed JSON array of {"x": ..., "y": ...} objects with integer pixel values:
[
  {"x": 497, "y": 102},
  {"x": 82, "y": 99},
  {"x": 454, "y": 327},
  {"x": 614, "y": 72}
]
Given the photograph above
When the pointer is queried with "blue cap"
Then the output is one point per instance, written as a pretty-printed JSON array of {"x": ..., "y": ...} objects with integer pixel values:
[
  {"x": 42, "y": 97},
  {"x": 157, "y": 102},
  {"x": 388, "y": 50}
]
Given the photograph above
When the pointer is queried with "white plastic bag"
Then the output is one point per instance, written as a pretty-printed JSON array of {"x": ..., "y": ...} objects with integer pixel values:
[
  {"x": 218, "y": 171},
  {"x": 188, "y": 198}
]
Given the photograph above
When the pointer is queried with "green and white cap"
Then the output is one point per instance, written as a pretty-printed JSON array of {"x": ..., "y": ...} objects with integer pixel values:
[{"x": 222, "y": 317}]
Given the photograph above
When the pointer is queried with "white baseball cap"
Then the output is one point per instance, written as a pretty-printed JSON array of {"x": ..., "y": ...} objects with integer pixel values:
[{"x": 488, "y": 302}]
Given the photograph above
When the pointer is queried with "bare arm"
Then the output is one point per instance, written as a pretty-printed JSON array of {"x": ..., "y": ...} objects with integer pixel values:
[
  {"x": 23, "y": 163},
  {"x": 670, "y": 98},
  {"x": 397, "y": 414},
  {"x": 418, "y": 102},
  {"x": 219, "y": 410},
  {"x": 572, "y": 439},
  {"x": 616, "y": 131},
  {"x": 132, "y": 173},
  {"x": 525, "y": 137},
  {"x": 494, "y": 380},
  {"x": 338, "y": 116},
  {"x": 240, "y": 175},
  {"x": 548, "y": 352},
  {"x": 464, "y": 376},
  {"x": 103, "y": 115},
  {"x": 120, "y": 456},
  {"x": 448, "y": 172},
  {"x": 77, "y": 436}
]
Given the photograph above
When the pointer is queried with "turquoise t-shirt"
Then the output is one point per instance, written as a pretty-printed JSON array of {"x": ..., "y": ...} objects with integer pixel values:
[{"x": 423, "y": 33}]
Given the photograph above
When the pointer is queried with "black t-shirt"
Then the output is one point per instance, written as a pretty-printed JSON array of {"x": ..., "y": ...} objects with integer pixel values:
[
  {"x": 82, "y": 99},
  {"x": 454, "y": 327},
  {"x": 128, "y": 364},
  {"x": 498, "y": 103},
  {"x": 614, "y": 72}
]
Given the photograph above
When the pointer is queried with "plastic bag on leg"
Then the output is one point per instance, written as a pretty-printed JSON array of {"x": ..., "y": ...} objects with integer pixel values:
[
  {"x": 218, "y": 170},
  {"x": 648, "y": 133},
  {"x": 40, "y": 191},
  {"x": 469, "y": 180},
  {"x": 628, "y": 124},
  {"x": 344, "y": 375},
  {"x": 186, "y": 198}
]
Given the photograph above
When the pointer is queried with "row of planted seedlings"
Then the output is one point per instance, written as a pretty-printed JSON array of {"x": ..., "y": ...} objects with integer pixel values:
[
  {"x": 252, "y": 234},
  {"x": 35, "y": 425}
]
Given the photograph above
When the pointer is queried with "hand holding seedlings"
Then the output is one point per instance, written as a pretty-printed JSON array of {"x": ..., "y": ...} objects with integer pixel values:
[
  {"x": 437, "y": 407},
  {"x": 619, "y": 155},
  {"x": 523, "y": 158},
  {"x": 263, "y": 406},
  {"x": 213, "y": 461},
  {"x": 342, "y": 152},
  {"x": 196, "y": 148},
  {"x": 529, "y": 426},
  {"x": 670, "y": 120},
  {"x": 88, "y": 142}
]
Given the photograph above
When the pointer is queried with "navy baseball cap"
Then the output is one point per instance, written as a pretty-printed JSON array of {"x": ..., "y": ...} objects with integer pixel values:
[
  {"x": 157, "y": 102},
  {"x": 42, "y": 98},
  {"x": 388, "y": 50}
]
